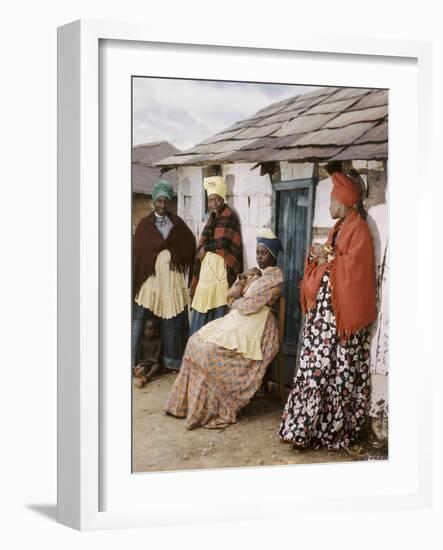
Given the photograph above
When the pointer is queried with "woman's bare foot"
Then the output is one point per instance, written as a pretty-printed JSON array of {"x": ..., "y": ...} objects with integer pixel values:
[
  {"x": 138, "y": 372},
  {"x": 140, "y": 382}
]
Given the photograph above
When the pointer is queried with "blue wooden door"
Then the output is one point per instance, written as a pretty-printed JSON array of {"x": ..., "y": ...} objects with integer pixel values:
[{"x": 293, "y": 224}]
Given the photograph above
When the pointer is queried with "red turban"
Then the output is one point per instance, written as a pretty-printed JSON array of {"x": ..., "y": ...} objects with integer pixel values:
[{"x": 345, "y": 189}]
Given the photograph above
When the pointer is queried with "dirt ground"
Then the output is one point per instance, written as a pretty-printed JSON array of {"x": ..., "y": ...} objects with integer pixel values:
[{"x": 161, "y": 442}]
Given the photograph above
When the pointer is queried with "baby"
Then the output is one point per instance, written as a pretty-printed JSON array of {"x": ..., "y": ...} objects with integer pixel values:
[
  {"x": 149, "y": 354},
  {"x": 249, "y": 277}
]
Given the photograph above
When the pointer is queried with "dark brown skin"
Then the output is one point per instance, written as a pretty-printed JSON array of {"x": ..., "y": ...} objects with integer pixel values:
[
  {"x": 149, "y": 355},
  {"x": 319, "y": 253},
  {"x": 264, "y": 259},
  {"x": 216, "y": 203},
  {"x": 337, "y": 210},
  {"x": 201, "y": 254},
  {"x": 161, "y": 206}
]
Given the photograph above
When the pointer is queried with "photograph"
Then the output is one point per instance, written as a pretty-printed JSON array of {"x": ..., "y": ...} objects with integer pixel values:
[{"x": 260, "y": 274}]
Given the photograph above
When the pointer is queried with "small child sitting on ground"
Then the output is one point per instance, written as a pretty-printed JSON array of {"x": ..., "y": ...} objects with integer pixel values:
[{"x": 149, "y": 354}]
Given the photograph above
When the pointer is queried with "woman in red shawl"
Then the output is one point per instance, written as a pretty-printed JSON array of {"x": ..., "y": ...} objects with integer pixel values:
[{"x": 327, "y": 406}]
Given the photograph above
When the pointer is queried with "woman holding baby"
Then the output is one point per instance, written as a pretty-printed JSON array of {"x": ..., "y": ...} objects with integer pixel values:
[{"x": 225, "y": 361}]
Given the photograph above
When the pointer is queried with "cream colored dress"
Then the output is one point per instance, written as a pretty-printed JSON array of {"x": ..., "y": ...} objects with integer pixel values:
[
  {"x": 212, "y": 288},
  {"x": 165, "y": 293},
  {"x": 235, "y": 331}
]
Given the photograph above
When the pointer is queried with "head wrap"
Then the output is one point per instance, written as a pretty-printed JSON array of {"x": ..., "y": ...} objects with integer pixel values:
[
  {"x": 269, "y": 240},
  {"x": 345, "y": 189},
  {"x": 215, "y": 185},
  {"x": 162, "y": 189}
]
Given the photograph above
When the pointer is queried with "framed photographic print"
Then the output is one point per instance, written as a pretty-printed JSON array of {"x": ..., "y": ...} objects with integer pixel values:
[
  {"x": 274, "y": 172},
  {"x": 234, "y": 254}
]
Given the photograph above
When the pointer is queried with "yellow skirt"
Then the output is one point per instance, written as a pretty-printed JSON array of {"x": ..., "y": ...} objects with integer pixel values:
[
  {"x": 212, "y": 287},
  {"x": 165, "y": 293}
]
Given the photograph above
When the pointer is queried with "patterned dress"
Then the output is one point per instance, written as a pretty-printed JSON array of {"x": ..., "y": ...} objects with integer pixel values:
[
  {"x": 215, "y": 383},
  {"x": 328, "y": 404}
]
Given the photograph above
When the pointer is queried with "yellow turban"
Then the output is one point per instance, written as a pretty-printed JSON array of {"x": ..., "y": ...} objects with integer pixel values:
[{"x": 215, "y": 185}]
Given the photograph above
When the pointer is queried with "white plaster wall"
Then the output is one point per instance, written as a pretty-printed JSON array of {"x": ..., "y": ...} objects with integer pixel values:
[
  {"x": 295, "y": 171},
  {"x": 379, "y": 407},
  {"x": 378, "y": 222},
  {"x": 249, "y": 195},
  {"x": 190, "y": 198},
  {"x": 322, "y": 218}
]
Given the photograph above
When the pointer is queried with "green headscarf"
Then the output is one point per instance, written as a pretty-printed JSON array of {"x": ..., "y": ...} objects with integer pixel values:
[{"x": 162, "y": 189}]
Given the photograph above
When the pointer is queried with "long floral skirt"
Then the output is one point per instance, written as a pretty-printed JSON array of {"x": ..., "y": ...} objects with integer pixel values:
[
  {"x": 329, "y": 401},
  {"x": 215, "y": 383}
]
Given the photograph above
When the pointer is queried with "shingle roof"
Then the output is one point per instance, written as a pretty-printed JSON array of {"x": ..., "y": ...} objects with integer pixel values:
[
  {"x": 144, "y": 173},
  {"x": 326, "y": 124}
]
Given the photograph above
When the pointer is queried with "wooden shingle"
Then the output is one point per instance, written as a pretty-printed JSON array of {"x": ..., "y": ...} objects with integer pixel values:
[{"x": 321, "y": 124}]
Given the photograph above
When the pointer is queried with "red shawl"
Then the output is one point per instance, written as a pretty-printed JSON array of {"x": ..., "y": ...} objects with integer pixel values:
[
  {"x": 352, "y": 276},
  {"x": 148, "y": 242},
  {"x": 221, "y": 235}
]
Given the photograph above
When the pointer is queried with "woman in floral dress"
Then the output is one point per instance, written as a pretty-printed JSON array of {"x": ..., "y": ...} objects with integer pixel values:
[
  {"x": 225, "y": 361},
  {"x": 329, "y": 400}
]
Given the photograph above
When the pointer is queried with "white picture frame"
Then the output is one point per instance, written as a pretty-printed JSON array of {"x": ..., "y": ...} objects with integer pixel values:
[{"x": 80, "y": 261}]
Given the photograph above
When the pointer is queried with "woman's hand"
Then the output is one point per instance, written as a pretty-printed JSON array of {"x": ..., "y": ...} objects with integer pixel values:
[
  {"x": 321, "y": 253},
  {"x": 201, "y": 253},
  {"x": 318, "y": 251}
]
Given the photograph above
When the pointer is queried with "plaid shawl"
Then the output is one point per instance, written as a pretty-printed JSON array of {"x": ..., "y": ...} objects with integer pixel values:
[{"x": 221, "y": 235}]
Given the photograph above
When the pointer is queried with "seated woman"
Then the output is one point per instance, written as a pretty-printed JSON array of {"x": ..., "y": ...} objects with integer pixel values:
[
  {"x": 225, "y": 361},
  {"x": 329, "y": 401}
]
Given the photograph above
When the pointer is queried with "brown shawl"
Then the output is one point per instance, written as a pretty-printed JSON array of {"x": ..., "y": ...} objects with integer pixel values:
[
  {"x": 352, "y": 276},
  {"x": 148, "y": 243}
]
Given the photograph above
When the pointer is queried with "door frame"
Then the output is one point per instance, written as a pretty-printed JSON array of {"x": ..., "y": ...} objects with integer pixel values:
[{"x": 289, "y": 185}]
